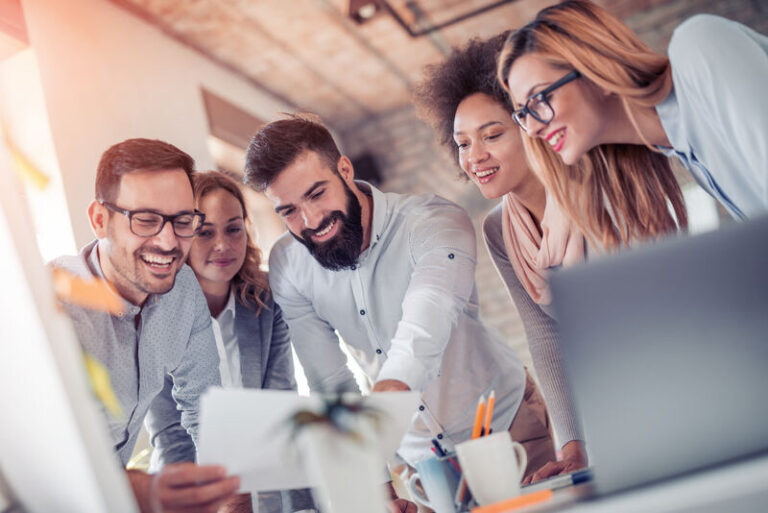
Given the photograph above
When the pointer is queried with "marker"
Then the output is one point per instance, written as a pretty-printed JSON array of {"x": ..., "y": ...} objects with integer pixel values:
[
  {"x": 437, "y": 448},
  {"x": 557, "y": 482}
]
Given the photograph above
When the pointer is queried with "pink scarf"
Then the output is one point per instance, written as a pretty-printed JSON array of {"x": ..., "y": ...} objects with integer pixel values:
[{"x": 531, "y": 254}]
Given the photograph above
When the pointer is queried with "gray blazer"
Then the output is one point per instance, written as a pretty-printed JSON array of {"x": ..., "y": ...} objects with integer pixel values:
[{"x": 265, "y": 362}]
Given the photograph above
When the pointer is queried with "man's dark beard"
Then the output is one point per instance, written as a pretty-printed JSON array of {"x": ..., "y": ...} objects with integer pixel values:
[{"x": 342, "y": 251}]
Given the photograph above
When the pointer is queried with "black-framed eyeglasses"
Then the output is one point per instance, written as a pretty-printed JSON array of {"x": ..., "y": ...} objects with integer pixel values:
[
  {"x": 538, "y": 105},
  {"x": 148, "y": 223}
]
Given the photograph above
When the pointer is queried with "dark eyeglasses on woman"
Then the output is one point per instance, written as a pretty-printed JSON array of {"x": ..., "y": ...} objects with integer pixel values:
[{"x": 538, "y": 105}]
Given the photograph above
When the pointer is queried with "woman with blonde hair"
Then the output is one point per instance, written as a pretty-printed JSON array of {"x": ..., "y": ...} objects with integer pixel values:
[
  {"x": 251, "y": 336},
  {"x": 526, "y": 235},
  {"x": 602, "y": 111}
]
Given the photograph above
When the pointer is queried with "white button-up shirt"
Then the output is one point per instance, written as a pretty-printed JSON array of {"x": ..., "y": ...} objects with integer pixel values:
[
  {"x": 407, "y": 311},
  {"x": 226, "y": 344}
]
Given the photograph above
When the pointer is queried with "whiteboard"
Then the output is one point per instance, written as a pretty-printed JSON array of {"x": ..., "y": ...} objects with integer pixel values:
[{"x": 55, "y": 453}]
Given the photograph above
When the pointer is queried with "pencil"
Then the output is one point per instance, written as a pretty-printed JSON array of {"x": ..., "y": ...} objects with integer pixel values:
[
  {"x": 479, "y": 418},
  {"x": 489, "y": 412}
]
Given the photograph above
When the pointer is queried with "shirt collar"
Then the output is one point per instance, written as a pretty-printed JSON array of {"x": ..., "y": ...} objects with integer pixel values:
[
  {"x": 92, "y": 259},
  {"x": 380, "y": 212},
  {"x": 230, "y": 306}
]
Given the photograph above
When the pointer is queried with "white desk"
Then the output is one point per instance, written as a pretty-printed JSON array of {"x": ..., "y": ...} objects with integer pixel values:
[{"x": 736, "y": 488}]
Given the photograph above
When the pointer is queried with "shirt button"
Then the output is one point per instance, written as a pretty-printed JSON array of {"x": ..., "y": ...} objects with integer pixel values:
[
  {"x": 451, "y": 256},
  {"x": 421, "y": 407},
  {"x": 362, "y": 312},
  {"x": 439, "y": 436},
  {"x": 378, "y": 351}
]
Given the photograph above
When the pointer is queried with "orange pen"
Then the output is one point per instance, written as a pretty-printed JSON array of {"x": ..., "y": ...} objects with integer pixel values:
[
  {"x": 489, "y": 412},
  {"x": 479, "y": 415}
]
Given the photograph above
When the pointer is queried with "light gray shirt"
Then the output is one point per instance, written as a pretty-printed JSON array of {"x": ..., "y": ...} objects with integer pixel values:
[
  {"x": 407, "y": 311},
  {"x": 170, "y": 335},
  {"x": 716, "y": 117}
]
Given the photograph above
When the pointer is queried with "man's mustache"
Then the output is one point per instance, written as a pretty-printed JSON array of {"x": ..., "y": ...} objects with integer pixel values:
[{"x": 307, "y": 233}]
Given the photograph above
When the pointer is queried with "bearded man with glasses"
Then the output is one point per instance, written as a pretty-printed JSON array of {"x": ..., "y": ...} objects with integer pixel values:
[{"x": 144, "y": 221}]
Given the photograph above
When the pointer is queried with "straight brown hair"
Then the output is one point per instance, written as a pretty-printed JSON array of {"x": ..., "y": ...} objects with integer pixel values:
[{"x": 617, "y": 192}]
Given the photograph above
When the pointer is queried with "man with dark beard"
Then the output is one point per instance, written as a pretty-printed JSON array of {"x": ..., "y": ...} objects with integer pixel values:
[
  {"x": 392, "y": 274},
  {"x": 144, "y": 221},
  {"x": 340, "y": 252}
]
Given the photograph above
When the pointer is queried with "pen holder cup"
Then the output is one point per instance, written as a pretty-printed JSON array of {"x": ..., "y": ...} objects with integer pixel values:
[{"x": 493, "y": 467}]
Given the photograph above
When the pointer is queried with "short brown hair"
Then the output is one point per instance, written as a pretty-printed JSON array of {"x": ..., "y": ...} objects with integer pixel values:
[
  {"x": 134, "y": 154},
  {"x": 278, "y": 144}
]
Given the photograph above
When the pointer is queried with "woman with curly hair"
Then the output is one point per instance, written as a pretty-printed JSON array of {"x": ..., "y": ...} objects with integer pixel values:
[
  {"x": 251, "y": 336},
  {"x": 526, "y": 234},
  {"x": 602, "y": 112}
]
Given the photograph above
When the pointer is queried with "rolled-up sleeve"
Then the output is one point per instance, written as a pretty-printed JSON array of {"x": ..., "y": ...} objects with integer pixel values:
[
  {"x": 198, "y": 369},
  {"x": 171, "y": 443},
  {"x": 443, "y": 249}
]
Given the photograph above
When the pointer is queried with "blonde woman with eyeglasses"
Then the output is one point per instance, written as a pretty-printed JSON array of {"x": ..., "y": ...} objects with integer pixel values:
[{"x": 602, "y": 112}]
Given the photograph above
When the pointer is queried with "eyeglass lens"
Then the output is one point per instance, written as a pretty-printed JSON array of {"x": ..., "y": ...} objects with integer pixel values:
[{"x": 147, "y": 224}]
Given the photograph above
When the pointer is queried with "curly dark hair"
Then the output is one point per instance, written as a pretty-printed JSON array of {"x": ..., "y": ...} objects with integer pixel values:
[{"x": 468, "y": 70}]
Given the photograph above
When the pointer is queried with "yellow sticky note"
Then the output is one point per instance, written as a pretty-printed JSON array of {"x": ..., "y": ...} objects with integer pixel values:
[
  {"x": 102, "y": 385},
  {"x": 24, "y": 167},
  {"x": 94, "y": 293}
]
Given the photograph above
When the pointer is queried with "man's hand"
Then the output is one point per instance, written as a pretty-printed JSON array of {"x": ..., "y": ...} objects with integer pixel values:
[
  {"x": 574, "y": 458},
  {"x": 183, "y": 487},
  {"x": 390, "y": 385}
]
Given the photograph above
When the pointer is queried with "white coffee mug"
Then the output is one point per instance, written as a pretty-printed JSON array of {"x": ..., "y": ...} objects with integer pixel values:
[{"x": 493, "y": 466}]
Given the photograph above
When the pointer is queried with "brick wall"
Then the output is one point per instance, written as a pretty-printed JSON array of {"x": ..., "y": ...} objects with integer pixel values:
[{"x": 411, "y": 161}]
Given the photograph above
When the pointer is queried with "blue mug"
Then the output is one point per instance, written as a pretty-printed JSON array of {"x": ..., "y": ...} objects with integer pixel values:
[{"x": 440, "y": 479}]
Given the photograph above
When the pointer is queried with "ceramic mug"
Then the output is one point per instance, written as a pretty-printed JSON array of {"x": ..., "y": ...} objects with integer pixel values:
[
  {"x": 439, "y": 479},
  {"x": 493, "y": 466}
]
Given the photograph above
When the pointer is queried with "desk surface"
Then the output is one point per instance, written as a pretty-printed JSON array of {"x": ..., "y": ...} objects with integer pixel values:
[{"x": 735, "y": 488}]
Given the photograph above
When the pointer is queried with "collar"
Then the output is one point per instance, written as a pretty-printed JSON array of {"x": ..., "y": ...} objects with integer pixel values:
[
  {"x": 230, "y": 306},
  {"x": 379, "y": 217},
  {"x": 92, "y": 259}
]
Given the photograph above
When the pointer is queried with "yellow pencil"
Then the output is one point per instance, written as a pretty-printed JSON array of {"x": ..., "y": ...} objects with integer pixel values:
[
  {"x": 479, "y": 415},
  {"x": 489, "y": 412}
]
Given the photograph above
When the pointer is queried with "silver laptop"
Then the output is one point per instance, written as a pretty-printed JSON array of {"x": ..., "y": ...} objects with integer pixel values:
[{"x": 666, "y": 349}]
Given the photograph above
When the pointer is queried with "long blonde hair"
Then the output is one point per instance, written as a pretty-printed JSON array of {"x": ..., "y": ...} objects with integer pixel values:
[
  {"x": 616, "y": 192},
  {"x": 250, "y": 281}
]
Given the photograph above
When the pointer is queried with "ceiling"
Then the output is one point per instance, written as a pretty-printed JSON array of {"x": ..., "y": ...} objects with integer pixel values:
[{"x": 311, "y": 55}]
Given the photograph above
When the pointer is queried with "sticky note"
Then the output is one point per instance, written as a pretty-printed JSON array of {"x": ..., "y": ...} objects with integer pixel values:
[
  {"x": 102, "y": 385},
  {"x": 94, "y": 293},
  {"x": 24, "y": 167}
]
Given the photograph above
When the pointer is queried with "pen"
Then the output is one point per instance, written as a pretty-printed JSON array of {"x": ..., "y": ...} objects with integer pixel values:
[
  {"x": 478, "y": 418},
  {"x": 437, "y": 448},
  {"x": 489, "y": 412}
]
